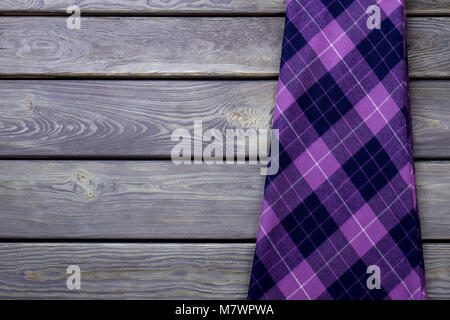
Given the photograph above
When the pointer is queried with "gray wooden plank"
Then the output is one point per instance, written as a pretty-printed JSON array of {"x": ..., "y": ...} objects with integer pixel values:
[
  {"x": 428, "y": 7},
  {"x": 141, "y": 46},
  {"x": 126, "y": 118},
  {"x": 153, "y": 271},
  {"x": 424, "y": 7},
  {"x": 151, "y": 200},
  {"x": 433, "y": 183},
  {"x": 162, "y": 271},
  {"x": 180, "y": 46},
  {"x": 136, "y": 118},
  {"x": 128, "y": 199},
  {"x": 431, "y": 118},
  {"x": 149, "y": 6},
  {"x": 437, "y": 270},
  {"x": 428, "y": 43}
]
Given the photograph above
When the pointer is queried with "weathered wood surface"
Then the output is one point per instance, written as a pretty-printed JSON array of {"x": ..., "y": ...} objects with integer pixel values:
[
  {"x": 433, "y": 185},
  {"x": 141, "y": 46},
  {"x": 150, "y": 6},
  {"x": 428, "y": 44},
  {"x": 128, "y": 199},
  {"x": 161, "y": 271},
  {"x": 437, "y": 270},
  {"x": 137, "y": 118},
  {"x": 177, "y": 46},
  {"x": 428, "y": 7},
  {"x": 431, "y": 118},
  {"x": 123, "y": 118},
  {"x": 158, "y": 200},
  {"x": 414, "y": 7}
]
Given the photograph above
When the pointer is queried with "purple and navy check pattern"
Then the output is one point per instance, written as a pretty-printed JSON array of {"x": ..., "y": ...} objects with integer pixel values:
[{"x": 344, "y": 198}]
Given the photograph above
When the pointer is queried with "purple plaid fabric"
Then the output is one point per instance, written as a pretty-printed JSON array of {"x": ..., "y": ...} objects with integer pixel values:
[{"x": 344, "y": 198}]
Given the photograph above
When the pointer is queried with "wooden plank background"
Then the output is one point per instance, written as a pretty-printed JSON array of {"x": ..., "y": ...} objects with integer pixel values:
[
  {"x": 136, "y": 118},
  {"x": 85, "y": 123},
  {"x": 248, "y": 7},
  {"x": 160, "y": 271},
  {"x": 178, "y": 47},
  {"x": 159, "y": 200}
]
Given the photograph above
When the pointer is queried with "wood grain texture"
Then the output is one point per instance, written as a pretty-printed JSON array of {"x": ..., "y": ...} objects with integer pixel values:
[
  {"x": 431, "y": 118},
  {"x": 428, "y": 45},
  {"x": 158, "y": 271},
  {"x": 136, "y": 46},
  {"x": 161, "y": 271},
  {"x": 128, "y": 199},
  {"x": 177, "y": 46},
  {"x": 123, "y": 118},
  {"x": 136, "y": 118},
  {"x": 149, "y": 6},
  {"x": 158, "y": 200},
  {"x": 423, "y": 7},
  {"x": 433, "y": 183},
  {"x": 428, "y": 7},
  {"x": 437, "y": 270}
]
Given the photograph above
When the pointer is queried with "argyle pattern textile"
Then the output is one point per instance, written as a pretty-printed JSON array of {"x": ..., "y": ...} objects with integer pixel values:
[{"x": 343, "y": 202}]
